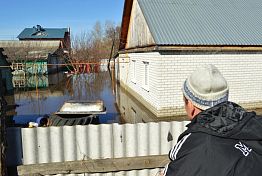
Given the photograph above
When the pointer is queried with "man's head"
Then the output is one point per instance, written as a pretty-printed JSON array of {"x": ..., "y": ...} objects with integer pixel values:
[{"x": 204, "y": 88}]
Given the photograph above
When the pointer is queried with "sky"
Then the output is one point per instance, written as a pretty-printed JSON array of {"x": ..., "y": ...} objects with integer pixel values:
[{"x": 79, "y": 15}]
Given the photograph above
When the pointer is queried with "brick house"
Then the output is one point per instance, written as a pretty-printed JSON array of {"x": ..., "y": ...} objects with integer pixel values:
[{"x": 163, "y": 41}]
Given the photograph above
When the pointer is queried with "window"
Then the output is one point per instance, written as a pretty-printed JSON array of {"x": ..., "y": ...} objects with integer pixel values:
[
  {"x": 146, "y": 75},
  {"x": 133, "y": 67}
]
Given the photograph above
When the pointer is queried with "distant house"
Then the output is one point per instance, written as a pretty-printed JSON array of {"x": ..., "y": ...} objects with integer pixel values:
[
  {"x": 163, "y": 41},
  {"x": 39, "y": 50},
  {"x": 47, "y": 34},
  {"x": 6, "y": 75},
  {"x": 32, "y": 57},
  {"x": 39, "y": 33}
]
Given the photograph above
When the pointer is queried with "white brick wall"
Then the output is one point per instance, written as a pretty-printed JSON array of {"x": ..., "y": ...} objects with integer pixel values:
[
  {"x": 168, "y": 72},
  {"x": 154, "y": 80}
]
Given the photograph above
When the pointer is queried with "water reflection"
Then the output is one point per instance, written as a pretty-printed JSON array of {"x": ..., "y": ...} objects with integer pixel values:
[
  {"x": 87, "y": 86},
  {"x": 46, "y": 94},
  {"x": 132, "y": 111},
  {"x": 32, "y": 81}
]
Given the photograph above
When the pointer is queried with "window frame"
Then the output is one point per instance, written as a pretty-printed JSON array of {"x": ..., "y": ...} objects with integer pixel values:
[
  {"x": 133, "y": 72},
  {"x": 146, "y": 75}
]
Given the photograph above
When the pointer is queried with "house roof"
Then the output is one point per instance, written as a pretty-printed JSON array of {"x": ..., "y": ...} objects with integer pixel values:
[
  {"x": 203, "y": 22},
  {"x": 42, "y": 33}
]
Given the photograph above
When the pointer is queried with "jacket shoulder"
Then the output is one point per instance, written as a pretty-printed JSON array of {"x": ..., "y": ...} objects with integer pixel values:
[{"x": 188, "y": 143}]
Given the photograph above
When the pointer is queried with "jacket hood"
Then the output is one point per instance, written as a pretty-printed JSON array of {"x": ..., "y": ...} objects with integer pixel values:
[{"x": 228, "y": 120}]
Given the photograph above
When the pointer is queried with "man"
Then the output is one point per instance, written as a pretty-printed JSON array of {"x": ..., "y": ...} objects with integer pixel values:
[{"x": 222, "y": 139}]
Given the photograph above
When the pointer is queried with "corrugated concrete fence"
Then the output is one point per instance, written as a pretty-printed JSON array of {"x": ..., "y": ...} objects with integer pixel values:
[{"x": 70, "y": 143}]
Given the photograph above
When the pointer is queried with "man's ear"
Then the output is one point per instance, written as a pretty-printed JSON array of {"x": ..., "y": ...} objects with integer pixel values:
[{"x": 191, "y": 109}]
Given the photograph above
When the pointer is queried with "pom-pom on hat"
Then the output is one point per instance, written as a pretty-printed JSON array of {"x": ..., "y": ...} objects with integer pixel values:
[{"x": 206, "y": 87}]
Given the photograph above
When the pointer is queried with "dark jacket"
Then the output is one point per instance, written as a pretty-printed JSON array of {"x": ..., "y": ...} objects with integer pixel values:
[{"x": 224, "y": 140}]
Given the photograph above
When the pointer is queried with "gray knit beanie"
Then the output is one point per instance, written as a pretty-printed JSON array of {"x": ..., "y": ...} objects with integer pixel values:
[{"x": 206, "y": 87}]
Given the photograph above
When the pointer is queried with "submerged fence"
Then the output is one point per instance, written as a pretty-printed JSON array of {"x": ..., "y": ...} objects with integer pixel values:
[{"x": 72, "y": 143}]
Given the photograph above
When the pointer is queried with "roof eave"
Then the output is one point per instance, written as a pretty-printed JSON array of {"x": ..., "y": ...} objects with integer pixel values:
[
  {"x": 125, "y": 23},
  {"x": 195, "y": 48}
]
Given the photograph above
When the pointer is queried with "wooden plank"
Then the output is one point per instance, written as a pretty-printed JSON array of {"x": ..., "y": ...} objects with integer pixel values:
[
  {"x": 151, "y": 48},
  {"x": 94, "y": 166}
]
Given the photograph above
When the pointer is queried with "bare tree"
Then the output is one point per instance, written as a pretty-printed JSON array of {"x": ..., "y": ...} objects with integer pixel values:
[{"x": 91, "y": 47}]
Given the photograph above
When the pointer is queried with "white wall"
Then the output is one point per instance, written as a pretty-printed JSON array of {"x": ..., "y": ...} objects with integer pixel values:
[
  {"x": 151, "y": 94},
  {"x": 167, "y": 73}
]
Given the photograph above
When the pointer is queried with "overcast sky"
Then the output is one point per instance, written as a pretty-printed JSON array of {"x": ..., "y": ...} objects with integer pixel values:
[{"x": 79, "y": 15}]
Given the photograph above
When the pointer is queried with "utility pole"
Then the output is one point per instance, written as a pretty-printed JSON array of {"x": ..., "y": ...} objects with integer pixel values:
[{"x": 112, "y": 48}]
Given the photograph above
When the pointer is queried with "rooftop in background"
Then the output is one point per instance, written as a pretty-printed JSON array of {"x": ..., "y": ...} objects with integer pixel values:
[{"x": 39, "y": 32}]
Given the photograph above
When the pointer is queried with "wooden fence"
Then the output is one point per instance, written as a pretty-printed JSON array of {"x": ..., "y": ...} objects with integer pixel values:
[{"x": 95, "y": 165}]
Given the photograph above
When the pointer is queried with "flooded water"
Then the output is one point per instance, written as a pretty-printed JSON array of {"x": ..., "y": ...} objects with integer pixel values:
[
  {"x": 36, "y": 96},
  {"x": 133, "y": 111}
]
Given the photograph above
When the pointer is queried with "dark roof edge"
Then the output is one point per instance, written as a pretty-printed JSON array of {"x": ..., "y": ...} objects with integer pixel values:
[
  {"x": 195, "y": 48},
  {"x": 19, "y": 35},
  {"x": 125, "y": 23}
]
